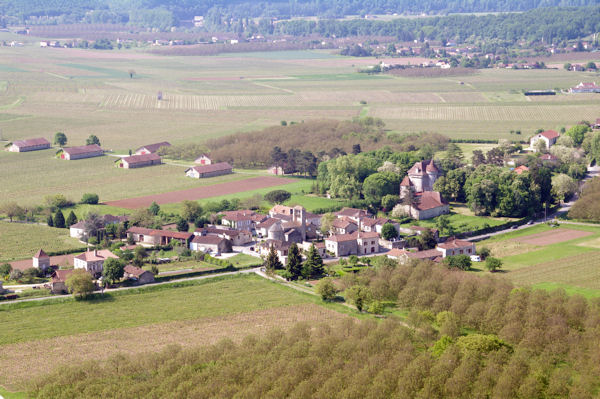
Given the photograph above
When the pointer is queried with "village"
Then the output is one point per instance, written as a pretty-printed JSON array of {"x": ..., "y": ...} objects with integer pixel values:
[{"x": 282, "y": 232}]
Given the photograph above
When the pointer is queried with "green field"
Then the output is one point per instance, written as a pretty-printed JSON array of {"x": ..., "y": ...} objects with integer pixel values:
[
  {"x": 573, "y": 265},
  {"x": 461, "y": 220},
  {"x": 206, "y": 298},
  {"x": 19, "y": 240},
  {"x": 83, "y": 92}
]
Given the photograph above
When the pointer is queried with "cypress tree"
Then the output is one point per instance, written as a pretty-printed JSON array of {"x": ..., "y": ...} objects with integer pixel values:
[
  {"x": 50, "y": 221},
  {"x": 71, "y": 219},
  {"x": 313, "y": 266},
  {"x": 294, "y": 262},
  {"x": 59, "y": 220},
  {"x": 273, "y": 263}
]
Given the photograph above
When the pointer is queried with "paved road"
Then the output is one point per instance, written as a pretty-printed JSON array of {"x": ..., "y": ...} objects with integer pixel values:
[{"x": 246, "y": 271}]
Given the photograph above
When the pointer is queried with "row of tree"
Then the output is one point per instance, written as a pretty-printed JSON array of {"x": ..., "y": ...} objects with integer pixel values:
[
  {"x": 295, "y": 268},
  {"x": 464, "y": 336}
]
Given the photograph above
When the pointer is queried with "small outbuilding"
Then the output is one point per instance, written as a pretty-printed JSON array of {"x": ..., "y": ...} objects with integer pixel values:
[
  {"x": 140, "y": 276},
  {"x": 84, "y": 151},
  {"x": 151, "y": 148},
  {"x": 41, "y": 260},
  {"x": 139, "y": 161},
  {"x": 212, "y": 170}
]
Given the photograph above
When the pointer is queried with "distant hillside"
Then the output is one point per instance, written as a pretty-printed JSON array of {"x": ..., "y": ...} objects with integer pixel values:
[{"x": 224, "y": 13}]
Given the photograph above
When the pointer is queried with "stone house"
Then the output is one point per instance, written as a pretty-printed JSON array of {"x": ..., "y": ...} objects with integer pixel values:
[
  {"x": 420, "y": 178},
  {"x": 41, "y": 260},
  {"x": 427, "y": 205},
  {"x": 343, "y": 225},
  {"x": 140, "y": 276},
  {"x": 58, "y": 282},
  {"x": 453, "y": 247},
  {"x": 93, "y": 261},
  {"x": 549, "y": 137},
  {"x": 210, "y": 243}
]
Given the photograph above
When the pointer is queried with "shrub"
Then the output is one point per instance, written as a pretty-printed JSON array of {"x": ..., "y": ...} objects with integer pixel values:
[
  {"x": 493, "y": 264},
  {"x": 278, "y": 196},
  {"x": 326, "y": 289},
  {"x": 90, "y": 198}
]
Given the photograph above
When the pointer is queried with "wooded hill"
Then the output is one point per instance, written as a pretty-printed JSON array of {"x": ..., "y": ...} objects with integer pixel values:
[
  {"x": 466, "y": 337},
  {"x": 324, "y": 138}
]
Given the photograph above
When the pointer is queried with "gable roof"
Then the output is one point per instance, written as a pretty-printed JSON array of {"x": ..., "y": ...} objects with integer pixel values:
[
  {"x": 84, "y": 149},
  {"x": 353, "y": 212},
  {"x": 455, "y": 243},
  {"x": 267, "y": 223},
  {"x": 60, "y": 276},
  {"x": 208, "y": 240},
  {"x": 154, "y": 147},
  {"x": 135, "y": 271},
  {"x": 429, "y": 200},
  {"x": 238, "y": 215},
  {"x": 548, "y": 157},
  {"x": 40, "y": 254},
  {"x": 96, "y": 255},
  {"x": 342, "y": 223},
  {"x": 135, "y": 159},
  {"x": 215, "y": 167},
  {"x": 341, "y": 238},
  {"x": 31, "y": 142},
  {"x": 550, "y": 134},
  {"x": 406, "y": 182}
]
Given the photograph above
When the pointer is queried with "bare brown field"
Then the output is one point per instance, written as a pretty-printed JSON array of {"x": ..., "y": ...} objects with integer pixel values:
[
  {"x": 202, "y": 192},
  {"x": 22, "y": 362},
  {"x": 553, "y": 237}
]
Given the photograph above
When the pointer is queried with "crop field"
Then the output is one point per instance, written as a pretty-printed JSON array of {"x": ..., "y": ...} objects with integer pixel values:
[
  {"x": 19, "y": 240},
  {"x": 566, "y": 257},
  {"x": 197, "y": 314}
]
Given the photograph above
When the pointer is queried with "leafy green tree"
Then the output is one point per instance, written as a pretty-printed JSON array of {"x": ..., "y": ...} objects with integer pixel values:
[
  {"x": 294, "y": 262},
  {"x": 191, "y": 210},
  {"x": 313, "y": 266},
  {"x": 138, "y": 256},
  {"x": 154, "y": 208},
  {"x": 113, "y": 270},
  {"x": 388, "y": 231},
  {"x": 359, "y": 295},
  {"x": 12, "y": 210},
  {"x": 80, "y": 283},
  {"x": 427, "y": 240},
  {"x": 272, "y": 262},
  {"x": 278, "y": 196},
  {"x": 92, "y": 225},
  {"x": 577, "y": 133},
  {"x": 5, "y": 270},
  {"x": 182, "y": 225},
  {"x": 71, "y": 219},
  {"x": 60, "y": 139},
  {"x": 493, "y": 264},
  {"x": 326, "y": 289},
  {"x": 380, "y": 184},
  {"x": 462, "y": 262},
  {"x": 443, "y": 223},
  {"x": 59, "y": 220},
  {"x": 563, "y": 186},
  {"x": 90, "y": 198},
  {"x": 92, "y": 139},
  {"x": 478, "y": 158},
  {"x": 484, "y": 252},
  {"x": 388, "y": 202}
]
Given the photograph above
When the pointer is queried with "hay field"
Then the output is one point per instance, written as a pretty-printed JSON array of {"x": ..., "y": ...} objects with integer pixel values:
[{"x": 193, "y": 315}]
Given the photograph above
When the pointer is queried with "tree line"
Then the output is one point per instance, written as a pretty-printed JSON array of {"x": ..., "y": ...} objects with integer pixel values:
[{"x": 465, "y": 336}]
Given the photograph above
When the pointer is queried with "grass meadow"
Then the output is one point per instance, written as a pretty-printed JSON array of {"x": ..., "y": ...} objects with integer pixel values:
[
  {"x": 19, "y": 240},
  {"x": 196, "y": 313},
  {"x": 573, "y": 265}
]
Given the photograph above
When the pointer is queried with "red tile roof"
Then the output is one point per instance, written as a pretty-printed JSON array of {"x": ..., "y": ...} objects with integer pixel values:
[
  {"x": 406, "y": 182},
  {"x": 238, "y": 215},
  {"x": 341, "y": 238},
  {"x": 60, "y": 276},
  {"x": 84, "y": 149},
  {"x": 135, "y": 159},
  {"x": 353, "y": 212},
  {"x": 154, "y": 147},
  {"x": 429, "y": 200},
  {"x": 208, "y": 240},
  {"x": 215, "y": 167},
  {"x": 342, "y": 223},
  {"x": 91, "y": 256},
  {"x": 173, "y": 234},
  {"x": 455, "y": 243},
  {"x": 548, "y": 157},
  {"x": 519, "y": 170},
  {"x": 135, "y": 271},
  {"x": 550, "y": 134},
  {"x": 40, "y": 254},
  {"x": 31, "y": 142}
]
